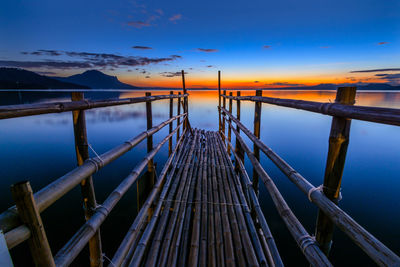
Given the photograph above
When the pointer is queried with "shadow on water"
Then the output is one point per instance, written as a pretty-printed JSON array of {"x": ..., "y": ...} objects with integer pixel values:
[{"x": 41, "y": 149}]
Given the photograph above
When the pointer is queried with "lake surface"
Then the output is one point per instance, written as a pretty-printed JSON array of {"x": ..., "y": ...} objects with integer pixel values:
[{"x": 41, "y": 149}]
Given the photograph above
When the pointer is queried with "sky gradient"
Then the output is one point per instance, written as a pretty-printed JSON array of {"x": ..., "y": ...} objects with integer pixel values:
[{"x": 254, "y": 43}]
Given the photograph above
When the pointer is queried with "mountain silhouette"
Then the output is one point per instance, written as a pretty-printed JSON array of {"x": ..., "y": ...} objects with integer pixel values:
[
  {"x": 12, "y": 78},
  {"x": 96, "y": 80}
]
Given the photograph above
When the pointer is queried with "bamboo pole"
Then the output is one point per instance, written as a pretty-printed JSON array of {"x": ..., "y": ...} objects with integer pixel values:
[
  {"x": 14, "y": 111},
  {"x": 29, "y": 214},
  {"x": 171, "y": 110},
  {"x": 185, "y": 102},
  {"x": 238, "y": 149},
  {"x": 75, "y": 245},
  {"x": 219, "y": 101},
  {"x": 373, "y": 114},
  {"x": 338, "y": 143},
  {"x": 375, "y": 249},
  {"x": 229, "y": 129},
  {"x": 55, "y": 190},
  {"x": 178, "y": 121},
  {"x": 87, "y": 188},
  {"x": 223, "y": 115},
  {"x": 212, "y": 212},
  {"x": 257, "y": 128}
]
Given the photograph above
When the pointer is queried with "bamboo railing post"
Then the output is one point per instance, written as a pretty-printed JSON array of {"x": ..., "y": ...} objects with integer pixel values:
[
  {"x": 171, "y": 110},
  {"x": 185, "y": 100},
  {"x": 219, "y": 102},
  {"x": 338, "y": 143},
  {"x": 230, "y": 121},
  {"x": 223, "y": 114},
  {"x": 238, "y": 149},
  {"x": 179, "y": 120},
  {"x": 30, "y": 216},
  {"x": 87, "y": 188},
  {"x": 257, "y": 124}
]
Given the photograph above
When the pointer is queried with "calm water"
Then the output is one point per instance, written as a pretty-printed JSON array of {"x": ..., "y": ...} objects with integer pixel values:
[{"x": 41, "y": 149}]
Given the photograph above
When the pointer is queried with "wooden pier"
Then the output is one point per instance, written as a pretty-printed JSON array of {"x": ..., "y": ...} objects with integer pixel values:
[{"x": 202, "y": 209}]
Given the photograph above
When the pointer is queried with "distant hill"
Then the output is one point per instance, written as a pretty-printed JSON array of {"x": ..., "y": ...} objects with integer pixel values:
[
  {"x": 96, "y": 80},
  {"x": 12, "y": 78},
  {"x": 332, "y": 86}
]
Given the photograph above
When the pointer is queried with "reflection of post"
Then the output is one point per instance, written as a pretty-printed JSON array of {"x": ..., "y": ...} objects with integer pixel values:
[
  {"x": 87, "y": 188},
  {"x": 238, "y": 148},
  {"x": 338, "y": 143},
  {"x": 230, "y": 122},
  {"x": 257, "y": 122},
  {"x": 30, "y": 216},
  {"x": 171, "y": 110},
  {"x": 178, "y": 121},
  {"x": 219, "y": 101}
]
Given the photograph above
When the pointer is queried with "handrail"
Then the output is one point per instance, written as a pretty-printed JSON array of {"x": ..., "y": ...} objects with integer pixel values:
[
  {"x": 366, "y": 241},
  {"x": 74, "y": 246},
  {"x": 22, "y": 110},
  {"x": 55, "y": 190},
  {"x": 389, "y": 116}
]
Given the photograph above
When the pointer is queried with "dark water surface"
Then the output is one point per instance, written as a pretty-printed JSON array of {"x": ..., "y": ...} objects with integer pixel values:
[{"x": 41, "y": 149}]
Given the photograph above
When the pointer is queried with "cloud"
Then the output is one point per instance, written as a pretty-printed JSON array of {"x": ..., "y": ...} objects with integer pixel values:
[
  {"x": 324, "y": 47},
  {"x": 207, "y": 50},
  {"x": 171, "y": 74},
  {"x": 375, "y": 70},
  {"x": 391, "y": 78},
  {"x": 256, "y": 81},
  {"x": 210, "y": 66},
  {"x": 382, "y": 43},
  {"x": 175, "y": 17},
  {"x": 267, "y": 47},
  {"x": 138, "y": 24},
  {"x": 141, "y": 47},
  {"x": 284, "y": 84},
  {"x": 46, "y": 73},
  {"x": 147, "y": 77},
  {"x": 85, "y": 60}
]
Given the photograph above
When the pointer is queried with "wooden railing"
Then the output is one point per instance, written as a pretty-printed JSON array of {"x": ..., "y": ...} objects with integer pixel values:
[
  {"x": 326, "y": 196},
  {"x": 22, "y": 222}
]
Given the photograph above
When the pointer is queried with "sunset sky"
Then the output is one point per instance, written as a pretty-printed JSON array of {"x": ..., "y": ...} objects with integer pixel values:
[{"x": 254, "y": 43}]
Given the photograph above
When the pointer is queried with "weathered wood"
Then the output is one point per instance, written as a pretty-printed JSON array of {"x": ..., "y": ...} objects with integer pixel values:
[
  {"x": 30, "y": 216},
  {"x": 185, "y": 100},
  {"x": 171, "y": 111},
  {"x": 373, "y": 114},
  {"x": 87, "y": 188},
  {"x": 338, "y": 143},
  {"x": 375, "y": 249},
  {"x": 75, "y": 245},
  {"x": 14, "y": 111},
  {"x": 257, "y": 128},
  {"x": 223, "y": 115},
  {"x": 229, "y": 129},
  {"x": 178, "y": 121},
  {"x": 219, "y": 102},
  {"x": 238, "y": 149}
]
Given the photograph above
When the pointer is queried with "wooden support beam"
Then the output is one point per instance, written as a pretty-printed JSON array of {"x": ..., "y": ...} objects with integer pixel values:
[
  {"x": 87, "y": 188},
  {"x": 338, "y": 143},
  {"x": 179, "y": 120},
  {"x": 219, "y": 102},
  {"x": 238, "y": 149},
  {"x": 185, "y": 100},
  {"x": 230, "y": 121},
  {"x": 30, "y": 216},
  {"x": 171, "y": 110},
  {"x": 223, "y": 117},
  {"x": 257, "y": 127}
]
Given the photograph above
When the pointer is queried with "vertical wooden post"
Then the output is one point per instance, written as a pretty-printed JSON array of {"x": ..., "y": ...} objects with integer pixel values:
[
  {"x": 238, "y": 148},
  {"x": 257, "y": 127},
  {"x": 178, "y": 121},
  {"x": 230, "y": 121},
  {"x": 30, "y": 216},
  {"x": 171, "y": 110},
  {"x": 185, "y": 100},
  {"x": 219, "y": 101},
  {"x": 87, "y": 188},
  {"x": 223, "y": 115},
  {"x": 338, "y": 143}
]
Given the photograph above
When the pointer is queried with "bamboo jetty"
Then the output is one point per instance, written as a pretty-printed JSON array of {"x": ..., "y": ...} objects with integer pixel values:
[{"x": 203, "y": 208}]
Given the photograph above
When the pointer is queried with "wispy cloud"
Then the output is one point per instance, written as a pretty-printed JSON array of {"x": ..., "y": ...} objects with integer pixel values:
[
  {"x": 324, "y": 47},
  {"x": 141, "y": 47},
  {"x": 267, "y": 46},
  {"x": 382, "y": 43},
  {"x": 171, "y": 74},
  {"x": 207, "y": 50},
  {"x": 284, "y": 84},
  {"x": 84, "y": 60},
  {"x": 147, "y": 77},
  {"x": 391, "y": 78},
  {"x": 210, "y": 66},
  {"x": 138, "y": 24},
  {"x": 375, "y": 70},
  {"x": 175, "y": 17}
]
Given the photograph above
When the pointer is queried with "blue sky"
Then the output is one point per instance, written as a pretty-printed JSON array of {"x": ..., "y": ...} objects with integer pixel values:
[{"x": 253, "y": 43}]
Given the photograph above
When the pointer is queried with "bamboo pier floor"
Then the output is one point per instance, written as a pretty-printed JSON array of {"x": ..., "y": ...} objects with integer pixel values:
[{"x": 201, "y": 216}]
